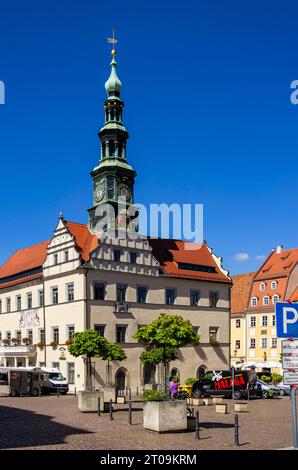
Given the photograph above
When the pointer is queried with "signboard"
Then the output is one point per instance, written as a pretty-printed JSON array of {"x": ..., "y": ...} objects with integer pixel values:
[
  {"x": 290, "y": 378},
  {"x": 290, "y": 362},
  {"x": 286, "y": 320},
  {"x": 289, "y": 347}
]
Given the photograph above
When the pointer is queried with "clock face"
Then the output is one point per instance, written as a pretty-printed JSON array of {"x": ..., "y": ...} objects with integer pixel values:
[
  {"x": 99, "y": 192},
  {"x": 124, "y": 191}
]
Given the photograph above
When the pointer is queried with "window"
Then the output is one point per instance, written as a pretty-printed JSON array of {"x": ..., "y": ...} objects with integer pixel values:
[
  {"x": 273, "y": 320},
  {"x": 254, "y": 302},
  {"x": 29, "y": 300},
  {"x": 100, "y": 329},
  {"x": 55, "y": 257},
  {"x": 253, "y": 322},
  {"x": 275, "y": 299},
  {"x": 121, "y": 334},
  {"x": 117, "y": 254},
  {"x": 42, "y": 364},
  {"x": 71, "y": 372},
  {"x": 121, "y": 292},
  {"x": 194, "y": 297},
  {"x": 0, "y": 306},
  {"x": 70, "y": 292},
  {"x": 213, "y": 299},
  {"x": 213, "y": 333},
  {"x": 170, "y": 296},
  {"x": 264, "y": 343},
  {"x": 273, "y": 285},
  {"x": 55, "y": 365},
  {"x": 133, "y": 257},
  {"x": 252, "y": 343},
  {"x": 266, "y": 300},
  {"x": 237, "y": 344},
  {"x": 8, "y": 335},
  {"x": 264, "y": 320},
  {"x": 273, "y": 342},
  {"x": 99, "y": 291},
  {"x": 8, "y": 305},
  {"x": 238, "y": 323},
  {"x": 19, "y": 302},
  {"x": 54, "y": 295},
  {"x": 41, "y": 298},
  {"x": 42, "y": 335},
  {"x": 141, "y": 294},
  {"x": 55, "y": 334},
  {"x": 110, "y": 187},
  {"x": 66, "y": 256},
  {"x": 19, "y": 336},
  {"x": 262, "y": 286},
  {"x": 70, "y": 331},
  {"x": 30, "y": 336}
]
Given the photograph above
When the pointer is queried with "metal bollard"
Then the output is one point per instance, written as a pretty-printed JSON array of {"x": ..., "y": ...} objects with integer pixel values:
[
  {"x": 197, "y": 433},
  {"x": 75, "y": 391},
  {"x": 236, "y": 431},
  {"x": 137, "y": 391},
  {"x": 130, "y": 413},
  {"x": 192, "y": 412},
  {"x": 58, "y": 394},
  {"x": 111, "y": 410},
  {"x": 98, "y": 406},
  {"x": 129, "y": 394}
]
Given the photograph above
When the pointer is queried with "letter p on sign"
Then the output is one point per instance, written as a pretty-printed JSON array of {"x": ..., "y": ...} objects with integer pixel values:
[{"x": 286, "y": 320}]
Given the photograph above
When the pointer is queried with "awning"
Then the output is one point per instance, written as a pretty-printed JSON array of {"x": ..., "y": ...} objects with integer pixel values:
[{"x": 267, "y": 365}]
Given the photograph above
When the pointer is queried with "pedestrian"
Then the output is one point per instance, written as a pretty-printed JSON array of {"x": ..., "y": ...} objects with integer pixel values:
[{"x": 173, "y": 388}]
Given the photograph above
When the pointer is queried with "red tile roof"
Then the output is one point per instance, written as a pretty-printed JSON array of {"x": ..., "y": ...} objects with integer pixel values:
[
  {"x": 171, "y": 252},
  {"x": 240, "y": 292},
  {"x": 278, "y": 264},
  {"x": 86, "y": 242}
]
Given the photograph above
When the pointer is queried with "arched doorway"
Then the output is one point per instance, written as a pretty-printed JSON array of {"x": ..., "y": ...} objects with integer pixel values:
[
  {"x": 120, "y": 379},
  {"x": 201, "y": 371},
  {"x": 149, "y": 374}
]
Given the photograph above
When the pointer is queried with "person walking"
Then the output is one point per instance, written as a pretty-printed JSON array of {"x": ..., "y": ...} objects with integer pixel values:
[{"x": 173, "y": 388}]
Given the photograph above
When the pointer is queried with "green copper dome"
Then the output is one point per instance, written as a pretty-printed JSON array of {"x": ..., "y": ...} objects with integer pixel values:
[{"x": 113, "y": 85}]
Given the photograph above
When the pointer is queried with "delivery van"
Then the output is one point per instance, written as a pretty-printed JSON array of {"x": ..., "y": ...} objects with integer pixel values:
[
  {"x": 56, "y": 382},
  {"x": 219, "y": 382},
  {"x": 20, "y": 381}
]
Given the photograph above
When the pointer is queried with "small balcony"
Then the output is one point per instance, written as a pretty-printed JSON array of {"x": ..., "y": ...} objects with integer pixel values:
[
  {"x": 18, "y": 356},
  {"x": 18, "y": 350},
  {"x": 121, "y": 307}
]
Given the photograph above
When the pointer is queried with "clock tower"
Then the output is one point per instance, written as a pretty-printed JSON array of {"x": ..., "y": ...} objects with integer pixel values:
[{"x": 113, "y": 177}]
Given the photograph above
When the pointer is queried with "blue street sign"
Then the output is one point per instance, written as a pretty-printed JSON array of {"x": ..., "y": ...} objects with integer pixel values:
[{"x": 286, "y": 320}]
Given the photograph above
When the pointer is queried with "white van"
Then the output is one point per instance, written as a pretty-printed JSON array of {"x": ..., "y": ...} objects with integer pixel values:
[{"x": 57, "y": 383}]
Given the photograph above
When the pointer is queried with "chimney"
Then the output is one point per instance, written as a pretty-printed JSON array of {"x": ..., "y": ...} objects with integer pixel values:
[{"x": 279, "y": 249}]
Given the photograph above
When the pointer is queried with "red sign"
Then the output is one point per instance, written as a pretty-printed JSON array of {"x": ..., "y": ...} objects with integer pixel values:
[{"x": 227, "y": 382}]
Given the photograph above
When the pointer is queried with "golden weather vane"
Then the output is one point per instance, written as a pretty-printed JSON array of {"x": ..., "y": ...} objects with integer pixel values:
[{"x": 113, "y": 41}]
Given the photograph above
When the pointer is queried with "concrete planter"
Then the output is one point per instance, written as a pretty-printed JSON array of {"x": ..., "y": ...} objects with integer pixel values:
[
  {"x": 88, "y": 401},
  {"x": 241, "y": 407},
  {"x": 121, "y": 400},
  {"x": 208, "y": 401},
  {"x": 217, "y": 400},
  {"x": 109, "y": 393},
  {"x": 163, "y": 416},
  {"x": 221, "y": 409},
  {"x": 198, "y": 401}
]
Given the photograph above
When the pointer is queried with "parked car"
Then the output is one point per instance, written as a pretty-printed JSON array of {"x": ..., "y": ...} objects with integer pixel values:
[
  {"x": 283, "y": 389},
  {"x": 56, "y": 382},
  {"x": 268, "y": 390}
]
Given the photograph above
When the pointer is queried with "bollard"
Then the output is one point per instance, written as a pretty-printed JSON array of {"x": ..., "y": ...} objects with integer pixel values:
[
  {"x": 236, "y": 431},
  {"x": 58, "y": 394},
  {"x": 197, "y": 433},
  {"x": 75, "y": 391},
  {"x": 98, "y": 406},
  {"x": 130, "y": 413},
  {"x": 129, "y": 394},
  {"x": 111, "y": 410},
  {"x": 137, "y": 391},
  {"x": 192, "y": 413}
]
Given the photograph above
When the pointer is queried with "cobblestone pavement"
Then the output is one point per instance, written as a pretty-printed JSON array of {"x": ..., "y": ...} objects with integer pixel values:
[{"x": 50, "y": 422}]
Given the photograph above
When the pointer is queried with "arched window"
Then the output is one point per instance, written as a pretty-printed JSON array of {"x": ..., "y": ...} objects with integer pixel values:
[
  {"x": 254, "y": 302},
  {"x": 262, "y": 286},
  {"x": 273, "y": 285},
  {"x": 266, "y": 300},
  {"x": 275, "y": 299},
  {"x": 201, "y": 371}
]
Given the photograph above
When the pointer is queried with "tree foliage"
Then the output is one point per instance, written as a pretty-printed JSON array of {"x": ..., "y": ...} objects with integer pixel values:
[
  {"x": 113, "y": 352},
  {"x": 88, "y": 343},
  {"x": 157, "y": 355}
]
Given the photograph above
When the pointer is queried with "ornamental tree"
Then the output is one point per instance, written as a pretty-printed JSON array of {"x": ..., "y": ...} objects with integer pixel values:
[
  {"x": 88, "y": 344},
  {"x": 167, "y": 333}
]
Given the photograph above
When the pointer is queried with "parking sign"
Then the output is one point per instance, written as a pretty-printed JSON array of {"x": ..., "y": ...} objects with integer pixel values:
[{"x": 286, "y": 320}]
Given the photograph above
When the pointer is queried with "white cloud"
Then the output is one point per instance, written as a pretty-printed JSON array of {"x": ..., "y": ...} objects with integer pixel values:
[
  {"x": 241, "y": 257},
  {"x": 261, "y": 257}
]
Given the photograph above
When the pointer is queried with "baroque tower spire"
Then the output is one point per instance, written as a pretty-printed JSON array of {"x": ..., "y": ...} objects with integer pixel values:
[{"x": 113, "y": 177}]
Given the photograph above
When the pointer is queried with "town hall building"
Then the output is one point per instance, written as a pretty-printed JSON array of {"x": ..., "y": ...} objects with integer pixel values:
[{"x": 77, "y": 280}]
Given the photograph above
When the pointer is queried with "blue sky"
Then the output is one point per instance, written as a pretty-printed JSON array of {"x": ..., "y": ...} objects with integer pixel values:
[{"x": 206, "y": 86}]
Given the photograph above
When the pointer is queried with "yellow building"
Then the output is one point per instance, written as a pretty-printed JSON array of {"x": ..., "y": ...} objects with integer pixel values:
[{"x": 253, "y": 298}]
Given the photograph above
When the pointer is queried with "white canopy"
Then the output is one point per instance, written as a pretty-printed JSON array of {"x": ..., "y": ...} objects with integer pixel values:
[{"x": 267, "y": 365}]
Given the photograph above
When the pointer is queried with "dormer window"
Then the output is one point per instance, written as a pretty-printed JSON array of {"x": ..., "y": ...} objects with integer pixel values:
[
  {"x": 262, "y": 286},
  {"x": 273, "y": 285},
  {"x": 254, "y": 302},
  {"x": 266, "y": 300},
  {"x": 275, "y": 299}
]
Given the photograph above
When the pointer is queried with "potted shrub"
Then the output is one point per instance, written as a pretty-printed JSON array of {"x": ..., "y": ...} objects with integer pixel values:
[
  {"x": 54, "y": 344},
  {"x": 14, "y": 341},
  {"x": 5, "y": 342},
  {"x": 161, "y": 414},
  {"x": 214, "y": 342},
  {"x": 40, "y": 345},
  {"x": 26, "y": 341},
  {"x": 188, "y": 385},
  {"x": 68, "y": 342}
]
